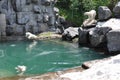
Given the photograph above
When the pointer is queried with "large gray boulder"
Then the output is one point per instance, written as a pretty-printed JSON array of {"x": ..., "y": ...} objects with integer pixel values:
[
  {"x": 97, "y": 36},
  {"x": 113, "y": 41},
  {"x": 83, "y": 36},
  {"x": 116, "y": 10},
  {"x": 104, "y": 13},
  {"x": 70, "y": 33}
]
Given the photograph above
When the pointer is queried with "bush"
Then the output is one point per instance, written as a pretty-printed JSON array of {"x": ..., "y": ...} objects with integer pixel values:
[{"x": 73, "y": 10}]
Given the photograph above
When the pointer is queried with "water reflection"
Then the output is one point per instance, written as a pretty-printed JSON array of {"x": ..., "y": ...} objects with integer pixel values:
[
  {"x": 2, "y": 53},
  {"x": 31, "y": 46},
  {"x": 12, "y": 45}
]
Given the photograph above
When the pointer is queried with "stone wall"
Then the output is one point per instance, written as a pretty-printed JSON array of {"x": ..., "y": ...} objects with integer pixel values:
[{"x": 28, "y": 15}]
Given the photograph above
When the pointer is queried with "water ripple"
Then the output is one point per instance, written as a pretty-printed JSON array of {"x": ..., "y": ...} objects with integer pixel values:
[
  {"x": 44, "y": 53},
  {"x": 1, "y": 53}
]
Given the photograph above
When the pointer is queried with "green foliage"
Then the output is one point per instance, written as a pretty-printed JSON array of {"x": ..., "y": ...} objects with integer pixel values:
[
  {"x": 73, "y": 10},
  {"x": 72, "y": 16}
]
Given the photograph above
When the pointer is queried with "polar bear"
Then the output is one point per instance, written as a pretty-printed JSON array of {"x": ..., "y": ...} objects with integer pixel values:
[
  {"x": 21, "y": 69},
  {"x": 30, "y": 35},
  {"x": 91, "y": 14},
  {"x": 91, "y": 18}
]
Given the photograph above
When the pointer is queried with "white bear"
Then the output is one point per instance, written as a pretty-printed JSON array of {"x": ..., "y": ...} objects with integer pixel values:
[
  {"x": 21, "y": 69},
  {"x": 91, "y": 18},
  {"x": 30, "y": 35},
  {"x": 91, "y": 14}
]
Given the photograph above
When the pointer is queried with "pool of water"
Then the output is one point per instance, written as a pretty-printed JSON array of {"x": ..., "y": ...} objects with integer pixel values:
[{"x": 42, "y": 56}]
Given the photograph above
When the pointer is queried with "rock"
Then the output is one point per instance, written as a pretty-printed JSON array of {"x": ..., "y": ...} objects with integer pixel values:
[
  {"x": 113, "y": 41},
  {"x": 98, "y": 36},
  {"x": 28, "y": 2},
  {"x": 2, "y": 25},
  {"x": 45, "y": 18},
  {"x": 70, "y": 33},
  {"x": 83, "y": 36},
  {"x": 104, "y": 13},
  {"x": 19, "y": 30},
  {"x": 56, "y": 10},
  {"x": 4, "y": 4},
  {"x": 35, "y": 1},
  {"x": 46, "y": 2},
  {"x": 43, "y": 27},
  {"x": 37, "y": 9},
  {"x": 89, "y": 64},
  {"x": 39, "y": 18},
  {"x": 99, "y": 24},
  {"x": 60, "y": 24},
  {"x": 54, "y": 75},
  {"x": 62, "y": 20},
  {"x": 15, "y": 29},
  {"x": 11, "y": 18},
  {"x": 106, "y": 70},
  {"x": 31, "y": 26},
  {"x": 29, "y": 14},
  {"x": 116, "y": 10},
  {"x": 23, "y": 17},
  {"x": 48, "y": 35},
  {"x": 51, "y": 21},
  {"x": 10, "y": 29},
  {"x": 28, "y": 8},
  {"x": 19, "y": 5},
  {"x": 112, "y": 23}
]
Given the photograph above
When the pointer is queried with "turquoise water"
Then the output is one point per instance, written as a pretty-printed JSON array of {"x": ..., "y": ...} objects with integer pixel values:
[{"x": 43, "y": 56}]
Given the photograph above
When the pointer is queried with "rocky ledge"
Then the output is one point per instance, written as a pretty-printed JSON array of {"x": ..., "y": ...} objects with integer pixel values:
[
  {"x": 49, "y": 35},
  {"x": 103, "y": 70}
]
